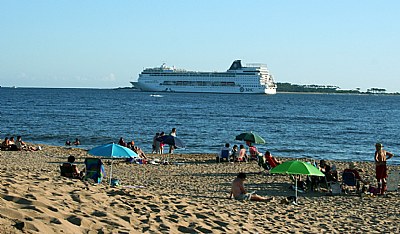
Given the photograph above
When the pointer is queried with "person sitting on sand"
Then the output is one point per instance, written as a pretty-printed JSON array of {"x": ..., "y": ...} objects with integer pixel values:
[
  {"x": 254, "y": 153},
  {"x": 12, "y": 141},
  {"x": 239, "y": 192},
  {"x": 131, "y": 145},
  {"x": 272, "y": 161},
  {"x": 13, "y": 147},
  {"x": 19, "y": 144},
  {"x": 5, "y": 145},
  {"x": 234, "y": 154},
  {"x": 122, "y": 142},
  {"x": 75, "y": 172},
  {"x": 353, "y": 168},
  {"x": 139, "y": 152},
  {"x": 242, "y": 154}
]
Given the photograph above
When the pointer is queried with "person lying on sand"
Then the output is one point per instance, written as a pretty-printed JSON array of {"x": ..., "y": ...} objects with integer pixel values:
[{"x": 239, "y": 192}]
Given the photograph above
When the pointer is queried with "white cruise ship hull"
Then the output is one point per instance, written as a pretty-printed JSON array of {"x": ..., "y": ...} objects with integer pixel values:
[
  {"x": 251, "y": 80},
  {"x": 208, "y": 89}
]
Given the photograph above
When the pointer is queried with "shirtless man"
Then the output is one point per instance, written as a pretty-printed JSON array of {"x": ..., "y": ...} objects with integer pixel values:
[
  {"x": 381, "y": 168},
  {"x": 239, "y": 193}
]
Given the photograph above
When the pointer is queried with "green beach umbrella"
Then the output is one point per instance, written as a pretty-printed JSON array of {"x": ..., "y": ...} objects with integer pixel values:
[
  {"x": 251, "y": 137},
  {"x": 296, "y": 168}
]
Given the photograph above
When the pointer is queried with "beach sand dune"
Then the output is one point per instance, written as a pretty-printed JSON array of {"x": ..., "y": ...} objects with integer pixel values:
[{"x": 189, "y": 196}]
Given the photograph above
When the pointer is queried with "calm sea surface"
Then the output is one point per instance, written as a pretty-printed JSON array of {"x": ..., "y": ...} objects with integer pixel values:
[{"x": 317, "y": 126}]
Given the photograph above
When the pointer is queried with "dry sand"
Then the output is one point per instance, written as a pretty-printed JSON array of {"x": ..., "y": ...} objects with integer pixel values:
[{"x": 188, "y": 197}]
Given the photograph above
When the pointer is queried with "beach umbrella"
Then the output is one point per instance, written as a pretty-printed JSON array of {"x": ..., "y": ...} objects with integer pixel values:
[
  {"x": 172, "y": 140},
  {"x": 251, "y": 137},
  {"x": 112, "y": 151},
  {"x": 296, "y": 168}
]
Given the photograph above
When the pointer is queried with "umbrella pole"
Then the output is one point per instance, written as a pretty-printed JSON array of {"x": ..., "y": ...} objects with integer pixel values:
[
  {"x": 112, "y": 161},
  {"x": 295, "y": 189}
]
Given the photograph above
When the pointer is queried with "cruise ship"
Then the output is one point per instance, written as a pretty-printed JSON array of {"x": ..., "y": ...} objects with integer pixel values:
[{"x": 252, "y": 78}]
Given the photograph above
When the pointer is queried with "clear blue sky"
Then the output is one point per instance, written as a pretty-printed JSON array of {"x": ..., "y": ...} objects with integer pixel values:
[{"x": 104, "y": 44}]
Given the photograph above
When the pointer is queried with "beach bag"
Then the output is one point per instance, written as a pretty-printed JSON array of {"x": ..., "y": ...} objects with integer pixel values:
[
  {"x": 374, "y": 190},
  {"x": 335, "y": 187},
  {"x": 115, "y": 182}
]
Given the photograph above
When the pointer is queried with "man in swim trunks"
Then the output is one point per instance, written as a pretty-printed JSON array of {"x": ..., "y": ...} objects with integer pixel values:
[
  {"x": 381, "y": 156},
  {"x": 239, "y": 193}
]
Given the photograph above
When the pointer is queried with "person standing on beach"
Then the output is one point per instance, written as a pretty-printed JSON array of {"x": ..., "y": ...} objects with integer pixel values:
[
  {"x": 161, "y": 144},
  {"x": 171, "y": 147},
  {"x": 381, "y": 156},
  {"x": 156, "y": 145},
  {"x": 239, "y": 192}
]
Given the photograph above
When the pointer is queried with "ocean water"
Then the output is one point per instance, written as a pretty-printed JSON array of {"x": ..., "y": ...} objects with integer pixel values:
[{"x": 317, "y": 126}]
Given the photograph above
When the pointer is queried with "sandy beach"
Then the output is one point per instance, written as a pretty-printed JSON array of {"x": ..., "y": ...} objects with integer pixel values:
[{"x": 189, "y": 196}]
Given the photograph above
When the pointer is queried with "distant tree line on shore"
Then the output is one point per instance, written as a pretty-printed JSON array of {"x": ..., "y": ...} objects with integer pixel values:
[{"x": 288, "y": 87}]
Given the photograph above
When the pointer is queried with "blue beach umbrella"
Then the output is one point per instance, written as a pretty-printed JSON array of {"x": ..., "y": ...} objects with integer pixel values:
[{"x": 112, "y": 151}]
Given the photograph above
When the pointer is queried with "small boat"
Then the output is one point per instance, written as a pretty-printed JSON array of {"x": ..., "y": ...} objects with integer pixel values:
[{"x": 156, "y": 95}]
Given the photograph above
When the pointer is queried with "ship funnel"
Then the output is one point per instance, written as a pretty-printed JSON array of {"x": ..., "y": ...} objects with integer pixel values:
[{"x": 236, "y": 65}]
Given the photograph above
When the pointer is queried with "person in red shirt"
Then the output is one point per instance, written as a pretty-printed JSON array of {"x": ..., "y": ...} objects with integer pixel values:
[{"x": 272, "y": 161}]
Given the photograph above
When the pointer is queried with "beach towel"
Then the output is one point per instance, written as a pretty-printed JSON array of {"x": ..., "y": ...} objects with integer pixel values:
[
  {"x": 94, "y": 169},
  {"x": 393, "y": 181}
]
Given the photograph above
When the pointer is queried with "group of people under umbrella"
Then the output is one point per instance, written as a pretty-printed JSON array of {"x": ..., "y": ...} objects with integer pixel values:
[
  {"x": 129, "y": 151},
  {"x": 322, "y": 174},
  {"x": 293, "y": 167}
]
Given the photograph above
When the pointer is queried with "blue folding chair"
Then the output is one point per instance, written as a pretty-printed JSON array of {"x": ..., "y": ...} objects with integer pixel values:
[
  {"x": 349, "y": 179},
  {"x": 224, "y": 154}
]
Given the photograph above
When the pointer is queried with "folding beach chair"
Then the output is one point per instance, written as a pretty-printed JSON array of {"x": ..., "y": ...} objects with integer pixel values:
[
  {"x": 94, "y": 169},
  {"x": 349, "y": 179},
  {"x": 224, "y": 155}
]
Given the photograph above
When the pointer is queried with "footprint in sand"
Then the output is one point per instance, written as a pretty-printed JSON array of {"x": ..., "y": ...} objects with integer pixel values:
[
  {"x": 181, "y": 207},
  {"x": 220, "y": 223},
  {"x": 203, "y": 230},
  {"x": 30, "y": 196},
  {"x": 75, "y": 220},
  {"x": 173, "y": 218},
  {"x": 99, "y": 214},
  {"x": 55, "y": 221},
  {"x": 186, "y": 229},
  {"x": 17, "y": 200},
  {"x": 200, "y": 216}
]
